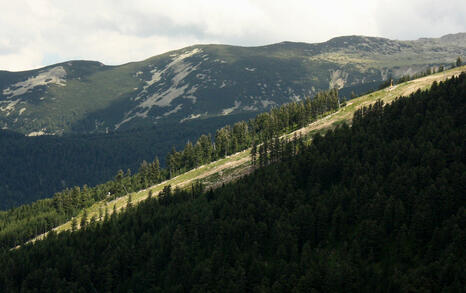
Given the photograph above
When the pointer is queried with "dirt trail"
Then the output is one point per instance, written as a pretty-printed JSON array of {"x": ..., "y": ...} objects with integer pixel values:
[
  {"x": 216, "y": 169},
  {"x": 426, "y": 81}
]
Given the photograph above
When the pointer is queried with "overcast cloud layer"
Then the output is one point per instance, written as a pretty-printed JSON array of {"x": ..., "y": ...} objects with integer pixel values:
[{"x": 36, "y": 33}]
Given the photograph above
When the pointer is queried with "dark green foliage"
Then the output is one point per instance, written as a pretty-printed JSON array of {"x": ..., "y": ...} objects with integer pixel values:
[
  {"x": 37, "y": 167},
  {"x": 378, "y": 207},
  {"x": 101, "y": 97},
  {"x": 84, "y": 219},
  {"x": 74, "y": 225},
  {"x": 242, "y": 135},
  {"x": 21, "y": 224}
]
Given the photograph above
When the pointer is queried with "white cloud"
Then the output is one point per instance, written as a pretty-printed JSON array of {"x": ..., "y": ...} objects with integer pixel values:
[
  {"x": 35, "y": 33},
  {"x": 420, "y": 18}
]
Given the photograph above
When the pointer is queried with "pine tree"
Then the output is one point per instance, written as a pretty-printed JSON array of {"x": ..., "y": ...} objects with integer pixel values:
[
  {"x": 150, "y": 194},
  {"x": 253, "y": 153},
  {"x": 106, "y": 214},
  {"x": 129, "y": 203},
  {"x": 119, "y": 176},
  {"x": 266, "y": 152},
  {"x": 74, "y": 224},
  {"x": 84, "y": 219},
  {"x": 93, "y": 220},
  {"x": 156, "y": 170},
  {"x": 144, "y": 173},
  {"x": 172, "y": 162}
]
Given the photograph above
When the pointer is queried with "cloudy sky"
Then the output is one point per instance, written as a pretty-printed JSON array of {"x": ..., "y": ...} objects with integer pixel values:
[{"x": 35, "y": 33}]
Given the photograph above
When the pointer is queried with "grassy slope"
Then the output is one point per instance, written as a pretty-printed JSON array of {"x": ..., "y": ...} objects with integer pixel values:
[
  {"x": 81, "y": 95},
  {"x": 236, "y": 165}
]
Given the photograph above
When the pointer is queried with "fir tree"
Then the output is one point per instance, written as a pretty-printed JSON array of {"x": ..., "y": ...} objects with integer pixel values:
[
  {"x": 84, "y": 219},
  {"x": 74, "y": 224}
]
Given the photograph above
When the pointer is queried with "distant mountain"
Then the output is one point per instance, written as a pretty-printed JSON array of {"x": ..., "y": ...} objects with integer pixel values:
[{"x": 206, "y": 81}]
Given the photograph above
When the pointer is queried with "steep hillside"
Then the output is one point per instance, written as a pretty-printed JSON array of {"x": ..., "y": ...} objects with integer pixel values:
[
  {"x": 206, "y": 81},
  {"x": 376, "y": 207},
  {"x": 24, "y": 222}
]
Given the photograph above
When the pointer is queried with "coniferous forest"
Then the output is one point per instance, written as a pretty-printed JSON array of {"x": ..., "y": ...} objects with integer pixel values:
[
  {"x": 376, "y": 207},
  {"x": 23, "y": 223},
  {"x": 37, "y": 167}
]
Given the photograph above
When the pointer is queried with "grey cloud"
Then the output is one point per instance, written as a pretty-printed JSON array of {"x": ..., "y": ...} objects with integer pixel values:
[
  {"x": 120, "y": 31},
  {"x": 414, "y": 19}
]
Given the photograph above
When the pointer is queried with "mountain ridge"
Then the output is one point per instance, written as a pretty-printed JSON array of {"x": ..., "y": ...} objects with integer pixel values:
[{"x": 202, "y": 81}]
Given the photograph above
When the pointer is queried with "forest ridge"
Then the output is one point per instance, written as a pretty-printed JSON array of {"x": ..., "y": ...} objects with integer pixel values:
[{"x": 378, "y": 206}]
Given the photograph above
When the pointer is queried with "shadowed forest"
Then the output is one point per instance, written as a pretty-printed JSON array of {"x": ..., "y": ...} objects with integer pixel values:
[{"x": 376, "y": 207}]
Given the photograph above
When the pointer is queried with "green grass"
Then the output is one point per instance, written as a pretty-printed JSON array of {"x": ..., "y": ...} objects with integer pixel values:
[{"x": 81, "y": 97}]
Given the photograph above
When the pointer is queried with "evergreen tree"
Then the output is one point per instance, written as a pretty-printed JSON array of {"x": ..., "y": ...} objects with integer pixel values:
[
  {"x": 156, "y": 171},
  {"x": 150, "y": 194},
  {"x": 93, "y": 220},
  {"x": 106, "y": 214},
  {"x": 74, "y": 225},
  {"x": 119, "y": 176},
  {"x": 84, "y": 219},
  {"x": 129, "y": 203},
  {"x": 253, "y": 154}
]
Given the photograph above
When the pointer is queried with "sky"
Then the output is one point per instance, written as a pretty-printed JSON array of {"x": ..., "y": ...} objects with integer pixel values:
[{"x": 36, "y": 33}]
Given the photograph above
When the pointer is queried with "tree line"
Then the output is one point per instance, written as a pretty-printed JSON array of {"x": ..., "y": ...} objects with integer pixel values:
[
  {"x": 242, "y": 135},
  {"x": 428, "y": 71}
]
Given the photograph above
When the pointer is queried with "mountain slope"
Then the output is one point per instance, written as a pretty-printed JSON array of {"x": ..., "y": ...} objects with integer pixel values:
[
  {"x": 226, "y": 170},
  {"x": 172, "y": 98},
  {"x": 212, "y": 174},
  {"x": 377, "y": 207},
  {"x": 206, "y": 81},
  {"x": 38, "y": 166}
]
